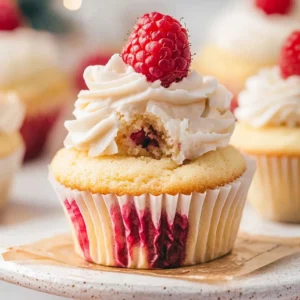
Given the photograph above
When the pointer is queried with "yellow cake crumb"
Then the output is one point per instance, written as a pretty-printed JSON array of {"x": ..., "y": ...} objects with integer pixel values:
[
  {"x": 139, "y": 175},
  {"x": 276, "y": 141}
]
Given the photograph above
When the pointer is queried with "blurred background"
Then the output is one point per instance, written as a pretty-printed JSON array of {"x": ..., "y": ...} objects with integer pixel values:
[{"x": 102, "y": 26}]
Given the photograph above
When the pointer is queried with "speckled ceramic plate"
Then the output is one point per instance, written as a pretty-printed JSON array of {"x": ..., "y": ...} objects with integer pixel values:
[
  {"x": 280, "y": 280},
  {"x": 35, "y": 214}
]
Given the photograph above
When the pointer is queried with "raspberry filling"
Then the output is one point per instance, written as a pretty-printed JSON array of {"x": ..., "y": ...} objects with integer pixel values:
[
  {"x": 79, "y": 226},
  {"x": 145, "y": 139}
]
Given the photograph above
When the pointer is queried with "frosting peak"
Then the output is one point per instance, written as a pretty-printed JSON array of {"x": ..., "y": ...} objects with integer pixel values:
[
  {"x": 12, "y": 113},
  {"x": 270, "y": 99},
  {"x": 194, "y": 112}
]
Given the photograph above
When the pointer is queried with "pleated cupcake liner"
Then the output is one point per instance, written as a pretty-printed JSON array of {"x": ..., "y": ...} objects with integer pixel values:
[
  {"x": 151, "y": 232},
  {"x": 9, "y": 165},
  {"x": 275, "y": 191}
]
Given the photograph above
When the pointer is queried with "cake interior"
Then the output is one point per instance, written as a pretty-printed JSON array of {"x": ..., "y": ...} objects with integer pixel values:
[{"x": 145, "y": 135}]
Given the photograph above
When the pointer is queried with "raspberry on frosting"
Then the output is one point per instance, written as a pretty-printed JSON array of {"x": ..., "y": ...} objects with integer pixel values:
[
  {"x": 159, "y": 48},
  {"x": 10, "y": 16},
  {"x": 271, "y": 7},
  {"x": 290, "y": 56}
]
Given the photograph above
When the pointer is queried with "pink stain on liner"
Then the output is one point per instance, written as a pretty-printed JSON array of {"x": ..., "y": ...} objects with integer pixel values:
[
  {"x": 165, "y": 245},
  {"x": 121, "y": 253},
  {"x": 80, "y": 227}
]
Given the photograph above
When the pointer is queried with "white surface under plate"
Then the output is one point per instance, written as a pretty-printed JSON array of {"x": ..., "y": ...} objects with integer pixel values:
[{"x": 34, "y": 213}]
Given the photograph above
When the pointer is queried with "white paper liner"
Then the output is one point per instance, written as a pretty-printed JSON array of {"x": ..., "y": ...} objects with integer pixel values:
[
  {"x": 8, "y": 167},
  {"x": 275, "y": 191},
  {"x": 213, "y": 222}
]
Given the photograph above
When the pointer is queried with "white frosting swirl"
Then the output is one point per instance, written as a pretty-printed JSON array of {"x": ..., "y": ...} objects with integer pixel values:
[
  {"x": 195, "y": 112},
  {"x": 24, "y": 52},
  {"x": 12, "y": 113},
  {"x": 246, "y": 31},
  {"x": 270, "y": 100}
]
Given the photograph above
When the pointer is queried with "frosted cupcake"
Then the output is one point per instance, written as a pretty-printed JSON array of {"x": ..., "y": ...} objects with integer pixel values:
[
  {"x": 247, "y": 37},
  {"x": 146, "y": 178},
  {"x": 29, "y": 68},
  {"x": 269, "y": 130},
  {"x": 12, "y": 114}
]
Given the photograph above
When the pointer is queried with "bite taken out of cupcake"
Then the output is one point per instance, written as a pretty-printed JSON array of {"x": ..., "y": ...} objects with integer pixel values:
[
  {"x": 146, "y": 178},
  {"x": 245, "y": 38},
  {"x": 269, "y": 129},
  {"x": 12, "y": 113},
  {"x": 29, "y": 68}
]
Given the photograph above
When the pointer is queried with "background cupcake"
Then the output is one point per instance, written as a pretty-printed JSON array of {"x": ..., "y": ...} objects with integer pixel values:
[
  {"x": 12, "y": 114},
  {"x": 269, "y": 130},
  {"x": 247, "y": 37},
  {"x": 29, "y": 68},
  {"x": 147, "y": 179}
]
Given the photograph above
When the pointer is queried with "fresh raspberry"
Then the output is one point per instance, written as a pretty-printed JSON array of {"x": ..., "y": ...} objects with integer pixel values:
[
  {"x": 289, "y": 61},
  {"x": 159, "y": 48},
  {"x": 92, "y": 60},
  {"x": 271, "y": 7},
  {"x": 10, "y": 16}
]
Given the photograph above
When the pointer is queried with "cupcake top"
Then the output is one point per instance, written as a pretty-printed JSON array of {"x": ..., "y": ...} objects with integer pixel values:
[
  {"x": 251, "y": 29},
  {"x": 139, "y": 175},
  {"x": 26, "y": 50},
  {"x": 269, "y": 108},
  {"x": 195, "y": 111},
  {"x": 147, "y": 124},
  {"x": 270, "y": 100},
  {"x": 272, "y": 97},
  {"x": 12, "y": 113},
  {"x": 147, "y": 102}
]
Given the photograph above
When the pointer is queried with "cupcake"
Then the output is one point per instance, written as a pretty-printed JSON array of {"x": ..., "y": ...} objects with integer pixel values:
[
  {"x": 29, "y": 69},
  {"x": 269, "y": 129},
  {"x": 146, "y": 178},
  {"x": 11, "y": 144},
  {"x": 246, "y": 38}
]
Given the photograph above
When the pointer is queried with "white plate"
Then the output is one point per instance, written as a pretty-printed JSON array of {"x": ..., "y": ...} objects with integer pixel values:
[{"x": 35, "y": 213}]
